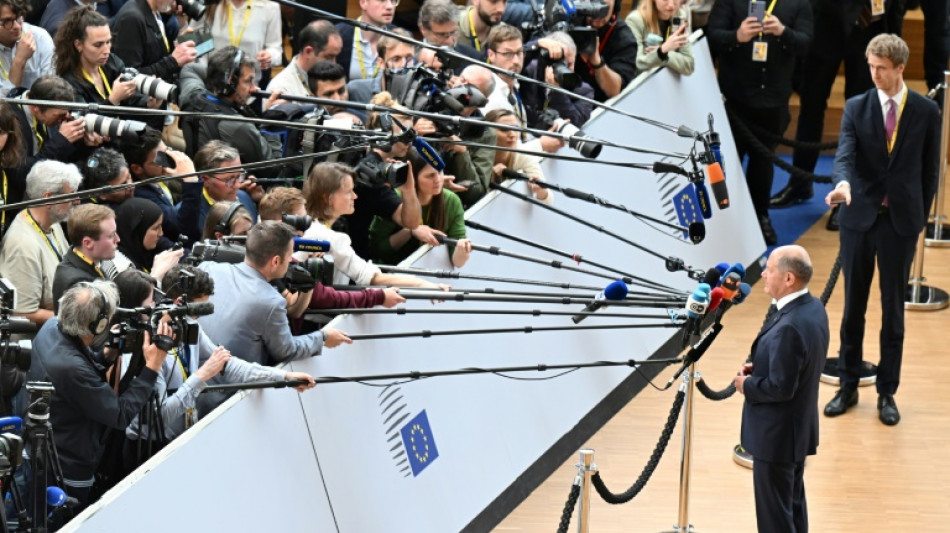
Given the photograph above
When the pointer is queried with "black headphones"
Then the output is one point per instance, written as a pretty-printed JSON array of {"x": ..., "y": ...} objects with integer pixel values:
[
  {"x": 101, "y": 322},
  {"x": 233, "y": 74},
  {"x": 224, "y": 224}
]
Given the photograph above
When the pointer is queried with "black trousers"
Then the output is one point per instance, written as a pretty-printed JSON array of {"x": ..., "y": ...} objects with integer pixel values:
[
  {"x": 936, "y": 39},
  {"x": 760, "y": 169},
  {"x": 780, "y": 505},
  {"x": 894, "y": 255}
]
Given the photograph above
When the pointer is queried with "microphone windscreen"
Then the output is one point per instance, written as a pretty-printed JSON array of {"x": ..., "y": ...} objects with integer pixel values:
[
  {"x": 55, "y": 496},
  {"x": 705, "y": 288},
  {"x": 712, "y": 277},
  {"x": 428, "y": 154},
  {"x": 744, "y": 290},
  {"x": 697, "y": 232},
  {"x": 200, "y": 309},
  {"x": 514, "y": 175},
  {"x": 715, "y": 298},
  {"x": 660, "y": 167},
  {"x": 617, "y": 290},
  {"x": 738, "y": 269},
  {"x": 10, "y": 424},
  {"x": 722, "y": 268}
]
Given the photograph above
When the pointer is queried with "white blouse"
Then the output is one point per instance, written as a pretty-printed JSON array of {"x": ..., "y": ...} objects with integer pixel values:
[{"x": 255, "y": 26}]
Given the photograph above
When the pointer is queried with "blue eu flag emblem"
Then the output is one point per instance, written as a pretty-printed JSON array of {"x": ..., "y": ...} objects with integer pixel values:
[
  {"x": 687, "y": 207},
  {"x": 419, "y": 442}
]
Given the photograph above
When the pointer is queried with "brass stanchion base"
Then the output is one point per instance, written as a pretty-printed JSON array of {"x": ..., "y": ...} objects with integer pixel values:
[
  {"x": 742, "y": 457},
  {"x": 928, "y": 298},
  {"x": 829, "y": 375},
  {"x": 937, "y": 237}
]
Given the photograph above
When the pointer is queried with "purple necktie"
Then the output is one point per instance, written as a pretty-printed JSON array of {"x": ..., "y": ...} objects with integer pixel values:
[{"x": 890, "y": 123}]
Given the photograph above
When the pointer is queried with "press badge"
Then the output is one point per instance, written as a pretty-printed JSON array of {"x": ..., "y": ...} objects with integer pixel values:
[
  {"x": 877, "y": 7},
  {"x": 760, "y": 51}
]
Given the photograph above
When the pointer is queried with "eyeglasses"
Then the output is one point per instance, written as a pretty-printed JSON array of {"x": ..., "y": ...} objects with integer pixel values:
[
  {"x": 400, "y": 62},
  {"x": 8, "y": 23},
  {"x": 445, "y": 34},
  {"x": 393, "y": 2},
  {"x": 510, "y": 55},
  {"x": 233, "y": 180}
]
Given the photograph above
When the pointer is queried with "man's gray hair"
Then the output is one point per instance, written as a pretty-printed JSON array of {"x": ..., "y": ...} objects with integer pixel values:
[
  {"x": 890, "y": 46},
  {"x": 797, "y": 264},
  {"x": 438, "y": 11},
  {"x": 81, "y": 304},
  {"x": 562, "y": 38},
  {"x": 49, "y": 176},
  {"x": 480, "y": 77},
  {"x": 213, "y": 154}
]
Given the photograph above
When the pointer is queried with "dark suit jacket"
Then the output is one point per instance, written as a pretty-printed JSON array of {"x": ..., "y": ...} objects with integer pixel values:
[
  {"x": 346, "y": 53},
  {"x": 780, "y": 415},
  {"x": 137, "y": 40},
  {"x": 908, "y": 176}
]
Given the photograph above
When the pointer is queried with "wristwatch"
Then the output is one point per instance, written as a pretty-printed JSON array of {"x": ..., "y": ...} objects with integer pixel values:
[{"x": 599, "y": 65}]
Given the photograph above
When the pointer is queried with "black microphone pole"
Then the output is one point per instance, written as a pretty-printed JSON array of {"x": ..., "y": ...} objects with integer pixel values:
[
  {"x": 591, "y": 198},
  {"x": 418, "y": 293},
  {"x": 693, "y": 273},
  {"x": 696, "y": 352},
  {"x": 529, "y": 312},
  {"x": 652, "y": 299},
  {"x": 425, "y": 334},
  {"x": 257, "y": 385},
  {"x": 681, "y": 131},
  {"x": 452, "y": 274}
]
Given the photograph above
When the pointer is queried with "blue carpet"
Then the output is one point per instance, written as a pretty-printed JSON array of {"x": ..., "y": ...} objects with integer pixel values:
[{"x": 792, "y": 222}]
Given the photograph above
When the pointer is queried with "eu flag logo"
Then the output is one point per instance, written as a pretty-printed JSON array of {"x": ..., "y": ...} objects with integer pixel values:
[
  {"x": 419, "y": 442},
  {"x": 687, "y": 207}
]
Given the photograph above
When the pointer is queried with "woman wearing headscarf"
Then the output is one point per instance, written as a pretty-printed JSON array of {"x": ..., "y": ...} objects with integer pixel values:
[{"x": 139, "y": 225}]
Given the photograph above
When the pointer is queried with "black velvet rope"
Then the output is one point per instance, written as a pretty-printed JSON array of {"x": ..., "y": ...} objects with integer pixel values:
[{"x": 569, "y": 508}]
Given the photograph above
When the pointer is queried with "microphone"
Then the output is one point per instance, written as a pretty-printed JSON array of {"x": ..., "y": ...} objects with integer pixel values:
[
  {"x": 696, "y": 306},
  {"x": 712, "y": 277},
  {"x": 55, "y": 496},
  {"x": 617, "y": 290},
  {"x": 715, "y": 144},
  {"x": 697, "y": 232},
  {"x": 722, "y": 268},
  {"x": 715, "y": 298},
  {"x": 744, "y": 290},
  {"x": 660, "y": 167},
  {"x": 730, "y": 286},
  {"x": 311, "y": 245},
  {"x": 737, "y": 268},
  {"x": 718, "y": 181},
  {"x": 428, "y": 154},
  {"x": 9, "y": 424}
]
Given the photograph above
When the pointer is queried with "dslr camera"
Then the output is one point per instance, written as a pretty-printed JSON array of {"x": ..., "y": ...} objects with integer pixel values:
[
  {"x": 578, "y": 140},
  {"x": 12, "y": 352},
  {"x": 151, "y": 85},
  {"x": 570, "y": 17}
]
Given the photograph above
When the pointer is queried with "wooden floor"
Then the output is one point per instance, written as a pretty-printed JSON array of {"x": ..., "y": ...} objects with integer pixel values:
[{"x": 866, "y": 477}]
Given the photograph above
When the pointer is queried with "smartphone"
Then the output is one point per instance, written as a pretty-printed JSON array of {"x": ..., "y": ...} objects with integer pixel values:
[
  {"x": 757, "y": 10},
  {"x": 164, "y": 160},
  {"x": 676, "y": 22},
  {"x": 202, "y": 39}
]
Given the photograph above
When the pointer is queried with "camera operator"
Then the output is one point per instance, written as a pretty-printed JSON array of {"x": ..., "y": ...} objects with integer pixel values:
[
  {"x": 612, "y": 64},
  {"x": 92, "y": 230},
  {"x": 67, "y": 353},
  {"x": 225, "y": 219},
  {"x": 35, "y": 244},
  {"x": 230, "y": 186},
  {"x": 187, "y": 370},
  {"x": 505, "y": 50},
  {"x": 27, "y": 50},
  {"x": 250, "y": 315},
  {"x": 107, "y": 168},
  {"x": 49, "y": 132},
  {"x": 148, "y": 159},
  {"x": 439, "y": 25},
  {"x": 555, "y": 60},
  {"x": 317, "y": 41},
  {"x": 144, "y": 41},
  {"x": 394, "y": 55},
  {"x": 228, "y": 92}
]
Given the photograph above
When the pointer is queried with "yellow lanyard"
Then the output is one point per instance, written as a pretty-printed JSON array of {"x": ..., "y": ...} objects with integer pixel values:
[
  {"x": 3, "y": 216},
  {"x": 358, "y": 43},
  {"x": 204, "y": 192},
  {"x": 161, "y": 29},
  {"x": 767, "y": 13},
  {"x": 471, "y": 26},
  {"x": 897, "y": 122},
  {"x": 36, "y": 226},
  {"x": 247, "y": 16},
  {"x": 89, "y": 262},
  {"x": 168, "y": 193},
  {"x": 184, "y": 373},
  {"x": 6, "y": 76},
  {"x": 105, "y": 83},
  {"x": 36, "y": 131},
  {"x": 303, "y": 80}
]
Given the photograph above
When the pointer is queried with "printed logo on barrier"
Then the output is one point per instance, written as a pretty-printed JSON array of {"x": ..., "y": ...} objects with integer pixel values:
[{"x": 419, "y": 441}]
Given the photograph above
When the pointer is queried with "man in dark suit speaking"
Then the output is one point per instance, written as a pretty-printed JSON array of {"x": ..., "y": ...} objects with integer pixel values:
[
  {"x": 885, "y": 173},
  {"x": 780, "y": 415}
]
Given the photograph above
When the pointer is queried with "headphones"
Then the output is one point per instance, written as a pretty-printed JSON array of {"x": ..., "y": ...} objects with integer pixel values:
[
  {"x": 101, "y": 322},
  {"x": 232, "y": 75},
  {"x": 224, "y": 224}
]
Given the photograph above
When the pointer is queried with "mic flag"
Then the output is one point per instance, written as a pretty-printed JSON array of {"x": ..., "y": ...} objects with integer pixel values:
[
  {"x": 687, "y": 208},
  {"x": 428, "y": 154},
  {"x": 718, "y": 181},
  {"x": 10, "y": 424},
  {"x": 702, "y": 194},
  {"x": 311, "y": 245}
]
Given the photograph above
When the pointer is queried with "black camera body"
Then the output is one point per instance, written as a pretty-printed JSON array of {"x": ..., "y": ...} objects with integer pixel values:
[
  {"x": 579, "y": 140},
  {"x": 13, "y": 352},
  {"x": 563, "y": 75},
  {"x": 40, "y": 399},
  {"x": 420, "y": 88},
  {"x": 570, "y": 17},
  {"x": 375, "y": 173},
  {"x": 127, "y": 334}
]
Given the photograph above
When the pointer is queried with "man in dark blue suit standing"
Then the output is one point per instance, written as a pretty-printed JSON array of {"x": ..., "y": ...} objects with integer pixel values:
[
  {"x": 885, "y": 174},
  {"x": 780, "y": 415}
]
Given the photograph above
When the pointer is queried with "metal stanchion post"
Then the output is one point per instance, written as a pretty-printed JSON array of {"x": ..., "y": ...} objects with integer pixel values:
[
  {"x": 922, "y": 297},
  {"x": 586, "y": 468},
  {"x": 937, "y": 235},
  {"x": 682, "y": 520}
]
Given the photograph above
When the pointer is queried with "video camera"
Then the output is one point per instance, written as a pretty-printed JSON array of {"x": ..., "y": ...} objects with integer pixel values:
[
  {"x": 420, "y": 88},
  {"x": 570, "y": 17},
  {"x": 301, "y": 276},
  {"x": 310, "y": 141},
  {"x": 13, "y": 352},
  {"x": 130, "y": 324},
  {"x": 151, "y": 85}
]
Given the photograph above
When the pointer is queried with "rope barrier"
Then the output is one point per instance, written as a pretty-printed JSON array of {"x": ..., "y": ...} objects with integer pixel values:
[
  {"x": 792, "y": 143},
  {"x": 569, "y": 507},
  {"x": 651, "y": 465}
]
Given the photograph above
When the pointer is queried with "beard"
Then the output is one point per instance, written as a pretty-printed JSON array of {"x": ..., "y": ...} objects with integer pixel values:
[{"x": 486, "y": 18}]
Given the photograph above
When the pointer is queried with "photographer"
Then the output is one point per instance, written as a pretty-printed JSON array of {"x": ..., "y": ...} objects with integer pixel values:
[
  {"x": 439, "y": 25},
  {"x": 144, "y": 41},
  {"x": 250, "y": 316},
  {"x": 66, "y": 352},
  {"x": 11, "y": 156},
  {"x": 222, "y": 186},
  {"x": 147, "y": 159},
  {"x": 612, "y": 63},
  {"x": 92, "y": 230},
  {"x": 472, "y": 166},
  {"x": 141, "y": 243},
  {"x": 225, "y": 219},
  {"x": 107, "y": 168},
  {"x": 327, "y": 80},
  {"x": 477, "y": 21},
  {"x": 556, "y": 55},
  {"x": 187, "y": 370},
  {"x": 27, "y": 50},
  {"x": 228, "y": 92}
]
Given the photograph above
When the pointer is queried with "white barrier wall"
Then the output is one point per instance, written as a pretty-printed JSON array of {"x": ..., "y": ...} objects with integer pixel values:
[{"x": 455, "y": 453}]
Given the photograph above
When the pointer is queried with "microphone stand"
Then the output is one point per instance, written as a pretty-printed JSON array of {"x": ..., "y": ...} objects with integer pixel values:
[
  {"x": 523, "y": 329},
  {"x": 670, "y": 261},
  {"x": 416, "y": 293},
  {"x": 530, "y": 312},
  {"x": 672, "y": 300}
]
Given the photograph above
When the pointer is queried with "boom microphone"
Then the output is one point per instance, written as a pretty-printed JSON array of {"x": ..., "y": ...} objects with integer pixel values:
[
  {"x": 617, "y": 290},
  {"x": 718, "y": 181}
]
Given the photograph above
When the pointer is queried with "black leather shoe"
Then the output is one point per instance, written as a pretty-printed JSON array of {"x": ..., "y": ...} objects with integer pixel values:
[
  {"x": 843, "y": 400},
  {"x": 832, "y": 224},
  {"x": 887, "y": 410},
  {"x": 790, "y": 196},
  {"x": 768, "y": 232}
]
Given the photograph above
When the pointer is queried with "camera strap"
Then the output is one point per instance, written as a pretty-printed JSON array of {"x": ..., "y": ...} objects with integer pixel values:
[{"x": 105, "y": 83}]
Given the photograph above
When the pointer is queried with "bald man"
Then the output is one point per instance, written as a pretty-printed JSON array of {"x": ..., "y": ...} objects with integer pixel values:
[{"x": 780, "y": 415}]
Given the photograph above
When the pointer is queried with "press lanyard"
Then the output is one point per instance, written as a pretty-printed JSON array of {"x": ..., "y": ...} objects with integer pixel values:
[
  {"x": 3, "y": 216},
  {"x": 302, "y": 79},
  {"x": 520, "y": 113},
  {"x": 36, "y": 225},
  {"x": 36, "y": 131},
  {"x": 471, "y": 25},
  {"x": 105, "y": 83},
  {"x": 358, "y": 43},
  {"x": 161, "y": 28},
  {"x": 3, "y": 71},
  {"x": 890, "y": 142},
  {"x": 89, "y": 262},
  {"x": 767, "y": 13},
  {"x": 168, "y": 193},
  {"x": 247, "y": 16},
  {"x": 184, "y": 373}
]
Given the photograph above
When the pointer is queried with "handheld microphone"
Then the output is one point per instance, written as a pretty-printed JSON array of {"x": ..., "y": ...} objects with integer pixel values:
[
  {"x": 715, "y": 298},
  {"x": 617, "y": 290},
  {"x": 697, "y": 232},
  {"x": 718, "y": 181},
  {"x": 715, "y": 144},
  {"x": 730, "y": 286},
  {"x": 311, "y": 245},
  {"x": 722, "y": 268},
  {"x": 55, "y": 496},
  {"x": 9, "y": 424}
]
